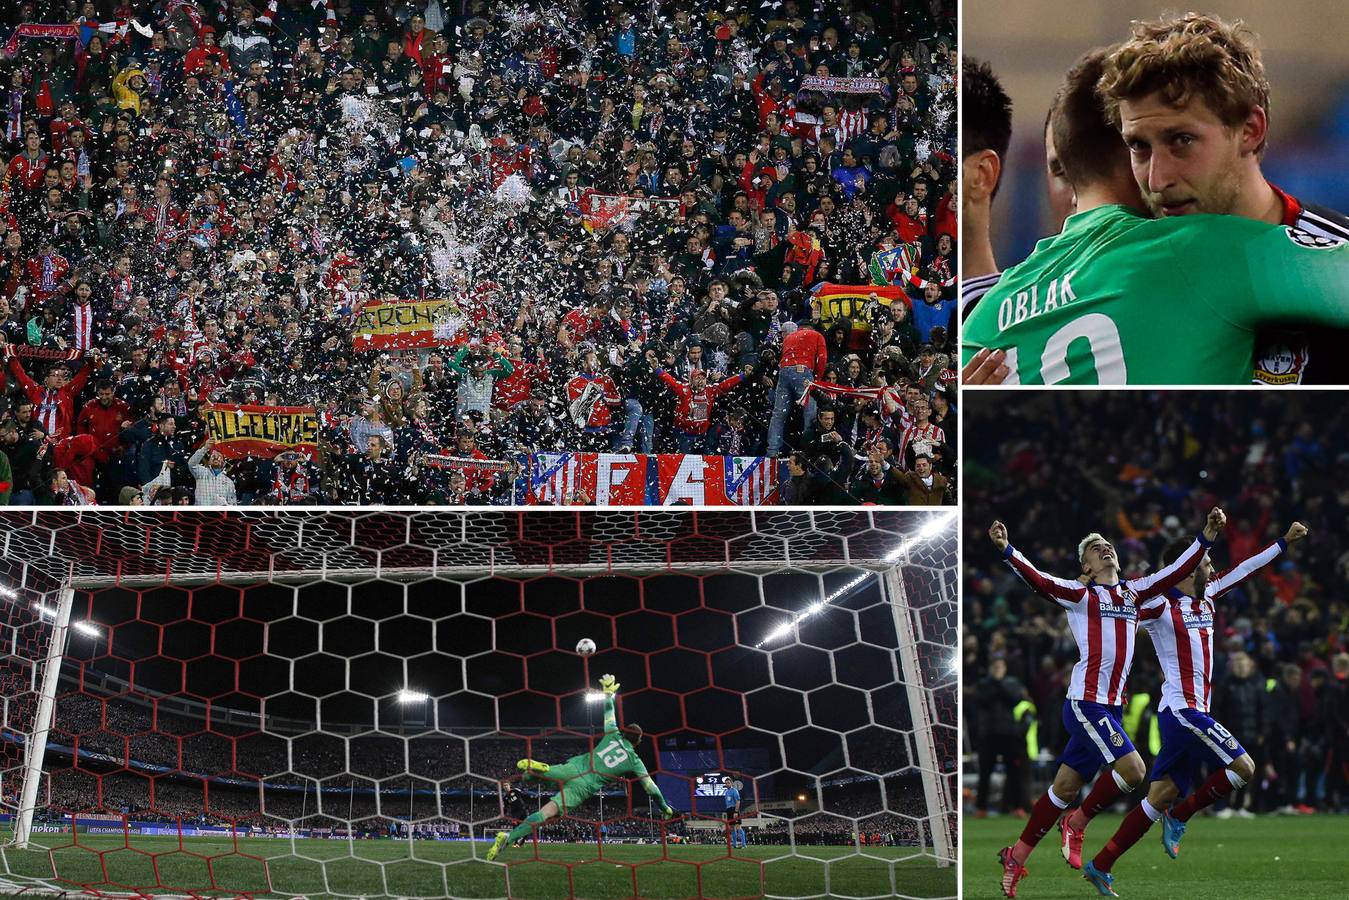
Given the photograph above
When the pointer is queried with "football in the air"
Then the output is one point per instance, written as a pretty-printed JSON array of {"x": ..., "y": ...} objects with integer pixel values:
[{"x": 585, "y": 646}]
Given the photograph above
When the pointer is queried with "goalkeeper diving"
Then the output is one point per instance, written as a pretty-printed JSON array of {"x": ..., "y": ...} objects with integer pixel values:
[{"x": 614, "y": 757}]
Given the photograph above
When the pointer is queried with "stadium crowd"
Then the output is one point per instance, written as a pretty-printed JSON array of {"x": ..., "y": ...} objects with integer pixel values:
[
  {"x": 1281, "y": 638},
  {"x": 177, "y": 801},
  {"x": 153, "y": 765},
  {"x": 627, "y": 208}
]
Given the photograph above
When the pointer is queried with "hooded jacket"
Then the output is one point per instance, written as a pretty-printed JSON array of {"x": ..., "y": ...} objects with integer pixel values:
[{"x": 128, "y": 97}]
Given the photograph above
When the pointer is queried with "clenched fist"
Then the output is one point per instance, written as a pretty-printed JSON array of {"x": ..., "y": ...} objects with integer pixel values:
[{"x": 998, "y": 533}]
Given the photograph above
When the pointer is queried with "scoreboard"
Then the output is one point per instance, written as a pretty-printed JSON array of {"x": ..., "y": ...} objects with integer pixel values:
[{"x": 709, "y": 785}]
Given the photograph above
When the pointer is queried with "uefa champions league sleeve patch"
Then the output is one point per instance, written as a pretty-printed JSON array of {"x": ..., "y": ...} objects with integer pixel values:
[{"x": 1309, "y": 240}]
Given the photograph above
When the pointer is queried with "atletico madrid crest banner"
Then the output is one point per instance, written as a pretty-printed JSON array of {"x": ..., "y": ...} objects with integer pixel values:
[
  {"x": 641, "y": 479},
  {"x": 262, "y": 431},
  {"x": 405, "y": 324}
]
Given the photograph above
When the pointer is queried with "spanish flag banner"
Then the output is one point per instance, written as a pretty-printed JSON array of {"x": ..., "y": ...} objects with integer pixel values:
[
  {"x": 852, "y": 302},
  {"x": 405, "y": 324},
  {"x": 262, "y": 431}
]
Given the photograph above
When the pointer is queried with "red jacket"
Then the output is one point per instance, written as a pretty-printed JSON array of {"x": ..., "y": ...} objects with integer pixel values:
[
  {"x": 805, "y": 347},
  {"x": 26, "y": 174},
  {"x": 908, "y": 228},
  {"x": 44, "y": 276},
  {"x": 196, "y": 58},
  {"x": 417, "y": 47},
  {"x": 475, "y": 479},
  {"x": 516, "y": 387},
  {"x": 104, "y": 425},
  {"x": 76, "y": 454},
  {"x": 55, "y": 409},
  {"x": 765, "y": 103},
  {"x": 13, "y": 270},
  {"x": 173, "y": 216},
  {"x": 693, "y": 413},
  {"x": 946, "y": 221},
  {"x": 600, "y": 416}
]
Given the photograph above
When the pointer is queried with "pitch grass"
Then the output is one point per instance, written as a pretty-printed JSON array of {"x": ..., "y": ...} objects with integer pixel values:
[
  {"x": 383, "y": 867},
  {"x": 1280, "y": 857}
]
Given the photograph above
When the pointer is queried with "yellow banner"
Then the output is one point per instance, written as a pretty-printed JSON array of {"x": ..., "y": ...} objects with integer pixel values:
[
  {"x": 263, "y": 431},
  {"x": 404, "y": 324}
]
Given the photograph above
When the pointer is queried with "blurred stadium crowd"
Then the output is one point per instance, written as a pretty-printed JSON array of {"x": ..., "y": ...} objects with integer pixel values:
[
  {"x": 1143, "y": 469},
  {"x": 151, "y": 769},
  {"x": 619, "y": 214},
  {"x": 179, "y": 803}
]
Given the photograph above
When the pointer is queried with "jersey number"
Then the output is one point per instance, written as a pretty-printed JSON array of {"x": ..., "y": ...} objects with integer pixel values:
[
  {"x": 1220, "y": 733},
  {"x": 1104, "y": 722},
  {"x": 612, "y": 754},
  {"x": 1107, "y": 353}
]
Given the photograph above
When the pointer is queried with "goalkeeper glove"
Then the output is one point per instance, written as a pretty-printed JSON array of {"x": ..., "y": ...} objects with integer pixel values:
[
  {"x": 667, "y": 812},
  {"x": 608, "y": 684}
]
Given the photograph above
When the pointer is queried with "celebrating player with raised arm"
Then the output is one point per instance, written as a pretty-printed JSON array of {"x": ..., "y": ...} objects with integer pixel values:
[
  {"x": 1103, "y": 614},
  {"x": 585, "y": 774},
  {"x": 1183, "y": 638}
]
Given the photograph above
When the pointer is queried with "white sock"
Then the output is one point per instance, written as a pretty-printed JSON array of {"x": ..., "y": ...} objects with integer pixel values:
[
  {"x": 1054, "y": 799},
  {"x": 1236, "y": 780},
  {"x": 1119, "y": 780},
  {"x": 1150, "y": 811}
]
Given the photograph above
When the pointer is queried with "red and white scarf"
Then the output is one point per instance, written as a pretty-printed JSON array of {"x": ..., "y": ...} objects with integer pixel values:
[
  {"x": 48, "y": 273},
  {"x": 48, "y": 408},
  {"x": 290, "y": 486},
  {"x": 840, "y": 390},
  {"x": 84, "y": 326},
  {"x": 122, "y": 293}
]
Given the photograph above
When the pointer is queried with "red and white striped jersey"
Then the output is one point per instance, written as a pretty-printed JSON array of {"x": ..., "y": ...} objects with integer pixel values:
[
  {"x": 83, "y": 326},
  {"x": 1104, "y": 619},
  {"x": 1183, "y": 634}
]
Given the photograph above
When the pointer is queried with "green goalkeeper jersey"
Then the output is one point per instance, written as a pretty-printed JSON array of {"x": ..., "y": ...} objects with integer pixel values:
[
  {"x": 1119, "y": 298},
  {"x": 613, "y": 756}
]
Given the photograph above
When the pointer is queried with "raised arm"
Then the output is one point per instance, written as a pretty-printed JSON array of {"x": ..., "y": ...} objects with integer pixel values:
[
  {"x": 728, "y": 385},
  {"x": 1047, "y": 586},
  {"x": 80, "y": 379},
  {"x": 456, "y": 362},
  {"x": 195, "y": 460},
  {"x": 1249, "y": 566},
  {"x": 20, "y": 375},
  {"x": 1164, "y": 579},
  {"x": 162, "y": 480},
  {"x": 610, "y": 687}
]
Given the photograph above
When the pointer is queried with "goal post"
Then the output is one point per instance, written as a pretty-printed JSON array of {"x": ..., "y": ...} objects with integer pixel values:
[
  {"x": 348, "y": 693},
  {"x": 35, "y": 747},
  {"x": 941, "y": 812}
]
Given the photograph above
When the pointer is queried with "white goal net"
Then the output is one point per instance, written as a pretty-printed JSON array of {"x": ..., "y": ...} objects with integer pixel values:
[{"x": 302, "y": 704}]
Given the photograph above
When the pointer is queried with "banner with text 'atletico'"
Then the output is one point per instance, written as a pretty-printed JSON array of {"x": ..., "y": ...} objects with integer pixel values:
[
  {"x": 262, "y": 431},
  {"x": 642, "y": 479},
  {"x": 406, "y": 324}
]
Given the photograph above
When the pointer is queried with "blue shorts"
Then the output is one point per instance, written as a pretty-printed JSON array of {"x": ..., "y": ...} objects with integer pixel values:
[
  {"x": 1191, "y": 737},
  {"x": 1095, "y": 737}
]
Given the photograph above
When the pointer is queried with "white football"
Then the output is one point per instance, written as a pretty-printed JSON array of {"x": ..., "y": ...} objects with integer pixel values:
[{"x": 585, "y": 646}]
